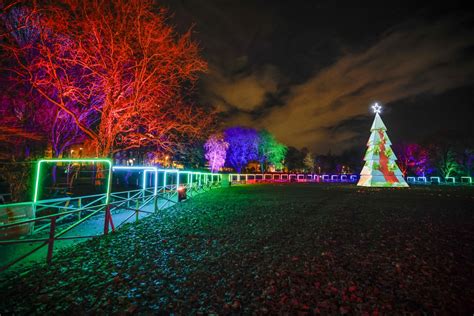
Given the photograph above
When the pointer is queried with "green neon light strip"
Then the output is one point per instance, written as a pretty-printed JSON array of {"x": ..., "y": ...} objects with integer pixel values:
[
  {"x": 146, "y": 169},
  {"x": 15, "y": 204},
  {"x": 91, "y": 160}
]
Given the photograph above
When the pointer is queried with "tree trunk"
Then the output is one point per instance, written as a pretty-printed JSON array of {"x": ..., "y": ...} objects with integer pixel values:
[{"x": 53, "y": 175}]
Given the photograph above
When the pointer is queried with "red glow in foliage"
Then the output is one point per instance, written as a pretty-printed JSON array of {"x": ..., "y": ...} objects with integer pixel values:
[
  {"x": 113, "y": 70},
  {"x": 412, "y": 157}
]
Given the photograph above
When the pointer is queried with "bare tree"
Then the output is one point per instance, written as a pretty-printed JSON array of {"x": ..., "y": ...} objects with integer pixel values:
[{"x": 118, "y": 72}]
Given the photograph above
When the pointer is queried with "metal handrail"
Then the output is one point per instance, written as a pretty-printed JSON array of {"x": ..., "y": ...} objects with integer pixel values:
[{"x": 94, "y": 207}]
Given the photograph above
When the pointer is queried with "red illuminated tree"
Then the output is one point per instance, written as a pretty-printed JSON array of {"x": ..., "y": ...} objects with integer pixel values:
[
  {"x": 119, "y": 73},
  {"x": 19, "y": 132},
  {"x": 138, "y": 67},
  {"x": 36, "y": 76}
]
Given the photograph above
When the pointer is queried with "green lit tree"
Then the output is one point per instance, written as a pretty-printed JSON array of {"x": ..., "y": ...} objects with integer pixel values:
[
  {"x": 447, "y": 163},
  {"x": 270, "y": 151}
]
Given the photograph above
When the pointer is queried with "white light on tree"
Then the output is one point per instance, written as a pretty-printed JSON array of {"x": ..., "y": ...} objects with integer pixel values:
[
  {"x": 377, "y": 108},
  {"x": 216, "y": 150}
]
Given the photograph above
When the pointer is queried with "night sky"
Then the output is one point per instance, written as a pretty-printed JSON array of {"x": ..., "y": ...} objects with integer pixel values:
[{"x": 308, "y": 70}]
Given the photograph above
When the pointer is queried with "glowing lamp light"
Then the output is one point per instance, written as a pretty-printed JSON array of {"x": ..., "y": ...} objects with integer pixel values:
[
  {"x": 377, "y": 108},
  {"x": 182, "y": 193}
]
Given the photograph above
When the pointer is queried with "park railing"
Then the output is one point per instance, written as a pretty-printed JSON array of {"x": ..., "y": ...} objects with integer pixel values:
[
  {"x": 452, "y": 181},
  {"x": 243, "y": 178},
  {"x": 43, "y": 222},
  {"x": 291, "y": 177}
]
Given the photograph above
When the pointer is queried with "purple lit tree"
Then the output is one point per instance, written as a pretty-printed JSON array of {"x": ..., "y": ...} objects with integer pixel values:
[
  {"x": 412, "y": 158},
  {"x": 35, "y": 56},
  {"x": 243, "y": 146},
  {"x": 468, "y": 161},
  {"x": 216, "y": 149}
]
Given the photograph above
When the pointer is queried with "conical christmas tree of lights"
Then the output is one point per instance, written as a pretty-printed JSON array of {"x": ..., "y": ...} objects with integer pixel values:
[{"x": 380, "y": 169}]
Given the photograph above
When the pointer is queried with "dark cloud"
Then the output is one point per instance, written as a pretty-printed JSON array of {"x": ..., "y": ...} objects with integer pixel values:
[
  {"x": 412, "y": 59},
  {"x": 243, "y": 91},
  {"x": 308, "y": 70}
]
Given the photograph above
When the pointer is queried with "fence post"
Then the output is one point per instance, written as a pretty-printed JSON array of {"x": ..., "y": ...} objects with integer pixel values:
[
  {"x": 79, "y": 203},
  {"x": 136, "y": 211},
  {"x": 155, "y": 203},
  {"x": 108, "y": 220},
  {"x": 52, "y": 229}
]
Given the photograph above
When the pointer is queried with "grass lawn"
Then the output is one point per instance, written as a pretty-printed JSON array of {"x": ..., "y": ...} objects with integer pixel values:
[{"x": 290, "y": 248}]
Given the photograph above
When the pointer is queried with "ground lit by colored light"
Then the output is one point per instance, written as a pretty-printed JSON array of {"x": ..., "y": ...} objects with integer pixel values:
[{"x": 271, "y": 248}]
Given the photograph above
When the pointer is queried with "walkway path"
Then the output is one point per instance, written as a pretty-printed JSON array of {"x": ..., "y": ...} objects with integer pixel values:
[{"x": 92, "y": 227}]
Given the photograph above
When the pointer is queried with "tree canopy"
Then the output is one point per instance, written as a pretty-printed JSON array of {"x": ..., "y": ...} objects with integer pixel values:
[
  {"x": 113, "y": 71},
  {"x": 270, "y": 151},
  {"x": 243, "y": 146}
]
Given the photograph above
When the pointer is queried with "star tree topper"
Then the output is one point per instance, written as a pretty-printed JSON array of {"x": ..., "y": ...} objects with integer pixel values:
[{"x": 377, "y": 108}]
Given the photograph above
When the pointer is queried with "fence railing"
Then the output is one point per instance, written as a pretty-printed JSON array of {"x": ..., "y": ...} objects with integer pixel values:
[
  {"x": 336, "y": 178},
  {"x": 440, "y": 180},
  {"x": 45, "y": 222},
  {"x": 291, "y": 177}
]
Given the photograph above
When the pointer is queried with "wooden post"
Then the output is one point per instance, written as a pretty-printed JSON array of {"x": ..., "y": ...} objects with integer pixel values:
[
  {"x": 52, "y": 229},
  {"x": 106, "y": 220},
  {"x": 111, "y": 222}
]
